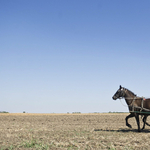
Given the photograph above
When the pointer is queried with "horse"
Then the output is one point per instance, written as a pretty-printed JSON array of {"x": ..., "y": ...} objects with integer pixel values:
[{"x": 137, "y": 106}]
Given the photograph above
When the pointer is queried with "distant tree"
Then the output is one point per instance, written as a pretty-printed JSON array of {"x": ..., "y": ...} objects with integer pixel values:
[
  {"x": 4, "y": 112},
  {"x": 76, "y": 112}
]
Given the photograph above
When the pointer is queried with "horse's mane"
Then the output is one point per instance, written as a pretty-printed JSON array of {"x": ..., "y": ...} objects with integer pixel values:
[{"x": 130, "y": 91}]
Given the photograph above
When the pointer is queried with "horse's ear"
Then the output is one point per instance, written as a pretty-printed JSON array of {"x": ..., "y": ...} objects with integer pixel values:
[{"x": 120, "y": 87}]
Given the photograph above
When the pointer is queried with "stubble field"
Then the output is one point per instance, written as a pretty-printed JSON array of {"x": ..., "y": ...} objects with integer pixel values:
[{"x": 71, "y": 131}]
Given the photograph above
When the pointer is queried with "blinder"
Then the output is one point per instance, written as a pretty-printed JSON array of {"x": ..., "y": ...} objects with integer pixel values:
[{"x": 120, "y": 94}]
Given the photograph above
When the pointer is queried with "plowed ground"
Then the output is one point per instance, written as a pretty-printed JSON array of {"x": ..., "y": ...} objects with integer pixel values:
[{"x": 68, "y": 131}]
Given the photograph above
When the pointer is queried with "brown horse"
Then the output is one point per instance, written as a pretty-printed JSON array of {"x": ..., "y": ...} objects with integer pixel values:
[{"x": 137, "y": 106}]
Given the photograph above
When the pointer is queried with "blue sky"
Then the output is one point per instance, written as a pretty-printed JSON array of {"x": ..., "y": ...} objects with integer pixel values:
[{"x": 72, "y": 55}]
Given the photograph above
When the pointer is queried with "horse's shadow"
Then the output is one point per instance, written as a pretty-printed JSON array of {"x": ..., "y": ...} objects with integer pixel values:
[{"x": 123, "y": 130}]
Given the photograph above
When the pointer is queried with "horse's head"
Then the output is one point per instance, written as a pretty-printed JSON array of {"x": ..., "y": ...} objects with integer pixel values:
[{"x": 120, "y": 93}]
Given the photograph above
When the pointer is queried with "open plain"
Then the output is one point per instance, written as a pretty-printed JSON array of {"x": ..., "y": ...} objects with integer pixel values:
[{"x": 71, "y": 131}]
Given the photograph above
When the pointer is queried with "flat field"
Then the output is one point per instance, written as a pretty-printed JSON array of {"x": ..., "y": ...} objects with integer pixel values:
[{"x": 71, "y": 131}]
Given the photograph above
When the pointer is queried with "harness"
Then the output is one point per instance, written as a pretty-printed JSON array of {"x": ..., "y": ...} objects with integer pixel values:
[
  {"x": 138, "y": 107},
  {"x": 132, "y": 105}
]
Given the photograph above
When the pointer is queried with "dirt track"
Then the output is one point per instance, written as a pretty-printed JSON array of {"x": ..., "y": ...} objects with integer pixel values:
[{"x": 67, "y": 131}]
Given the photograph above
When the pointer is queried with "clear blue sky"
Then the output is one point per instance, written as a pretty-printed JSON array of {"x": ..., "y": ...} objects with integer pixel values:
[{"x": 71, "y": 55}]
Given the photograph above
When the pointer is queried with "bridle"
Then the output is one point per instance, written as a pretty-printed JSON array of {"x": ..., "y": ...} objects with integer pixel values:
[{"x": 123, "y": 94}]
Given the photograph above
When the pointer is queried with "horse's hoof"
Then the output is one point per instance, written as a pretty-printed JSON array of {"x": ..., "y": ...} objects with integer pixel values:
[{"x": 129, "y": 125}]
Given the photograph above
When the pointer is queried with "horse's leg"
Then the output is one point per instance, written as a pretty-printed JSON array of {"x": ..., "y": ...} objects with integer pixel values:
[
  {"x": 144, "y": 121},
  {"x": 129, "y": 116},
  {"x": 147, "y": 123},
  {"x": 138, "y": 122}
]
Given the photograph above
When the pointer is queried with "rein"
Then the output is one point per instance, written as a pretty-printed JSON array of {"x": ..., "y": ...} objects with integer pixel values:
[{"x": 122, "y": 103}]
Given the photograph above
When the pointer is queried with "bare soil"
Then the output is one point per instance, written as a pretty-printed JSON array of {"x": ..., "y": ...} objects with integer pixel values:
[{"x": 71, "y": 131}]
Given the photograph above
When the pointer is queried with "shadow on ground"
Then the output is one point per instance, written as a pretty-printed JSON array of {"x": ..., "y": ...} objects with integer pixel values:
[{"x": 123, "y": 130}]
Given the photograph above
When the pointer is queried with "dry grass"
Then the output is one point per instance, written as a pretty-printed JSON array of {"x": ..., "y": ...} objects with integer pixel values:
[{"x": 70, "y": 131}]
